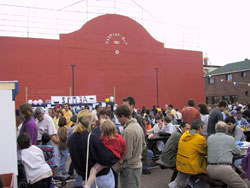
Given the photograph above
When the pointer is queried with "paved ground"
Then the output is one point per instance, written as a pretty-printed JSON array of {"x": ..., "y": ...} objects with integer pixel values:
[{"x": 157, "y": 179}]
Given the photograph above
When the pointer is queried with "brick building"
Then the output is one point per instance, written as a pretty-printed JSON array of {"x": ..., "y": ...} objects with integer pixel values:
[{"x": 230, "y": 83}]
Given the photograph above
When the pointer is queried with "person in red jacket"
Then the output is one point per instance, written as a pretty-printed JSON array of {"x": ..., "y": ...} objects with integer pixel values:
[
  {"x": 189, "y": 114},
  {"x": 113, "y": 141}
]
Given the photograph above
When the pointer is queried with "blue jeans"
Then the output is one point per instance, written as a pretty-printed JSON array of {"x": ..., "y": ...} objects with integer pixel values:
[
  {"x": 63, "y": 160},
  {"x": 55, "y": 158},
  {"x": 78, "y": 180},
  {"x": 105, "y": 181},
  {"x": 150, "y": 156}
]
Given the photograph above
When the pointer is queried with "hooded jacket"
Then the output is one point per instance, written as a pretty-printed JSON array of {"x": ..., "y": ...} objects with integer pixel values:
[{"x": 191, "y": 153}]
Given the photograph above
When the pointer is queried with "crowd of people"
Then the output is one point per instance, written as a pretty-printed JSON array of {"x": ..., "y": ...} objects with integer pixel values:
[{"x": 104, "y": 143}]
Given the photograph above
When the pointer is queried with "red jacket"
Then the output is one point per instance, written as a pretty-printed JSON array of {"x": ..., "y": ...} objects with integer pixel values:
[{"x": 117, "y": 145}]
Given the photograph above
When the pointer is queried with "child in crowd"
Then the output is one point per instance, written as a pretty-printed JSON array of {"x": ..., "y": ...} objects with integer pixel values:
[
  {"x": 62, "y": 145},
  {"x": 112, "y": 141},
  {"x": 38, "y": 172},
  {"x": 48, "y": 150}
]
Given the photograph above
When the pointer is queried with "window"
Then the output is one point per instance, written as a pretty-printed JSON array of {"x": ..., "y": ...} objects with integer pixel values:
[
  {"x": 226, "y": 98},
  {"x": 244, "y": 74},
  {"x": 229, "y": 77},
  {"x": 215, "y": 99},
  {"x": 233, "y": 98},
  {"x": 211, "y": 80}
]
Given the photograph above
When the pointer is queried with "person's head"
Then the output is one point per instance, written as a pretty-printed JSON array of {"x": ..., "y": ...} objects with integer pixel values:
[
  {"x": 50, "y": 111},
  {"x": 233, "y": 113},
  {"x": 23, "y": 140},
  {"x": 167, "y": 120},
  {"x": 66, "y": 107},
  {"x": 123, "y": 113},
  {"x": 198, "y": 126},
  {"x": 184, "y": 126},
  {"x": 60, "y": 113},
  {"x": 73, "y": 118},
  {"x": 39, "y": 113},
  {"x": 98, "y": 108},
  {"x": 62, "y": 121},
  {"x": 104, "y": 114},
  {"x": 221, "y": 127},
  {"x": 108, "y": 128},
  {"x": 203, "y": 109},
  {"x": 170, "y": 107},
  {"x": 84, "y": 119},
  {"x": 191, "y": 102},
  {"x": 25, "y": 111},
  {"x": 222, "y": 105},
  {"x": 239, "y": 114},
  {"x": 109, "y": 107},
  {"x": 230, "y": 121},
  {"x": 45, "y": 138},
  {"x": 146, "y": 121},
  {"x": 130, "y": 101},
  {"x": 158, "y": 119}
]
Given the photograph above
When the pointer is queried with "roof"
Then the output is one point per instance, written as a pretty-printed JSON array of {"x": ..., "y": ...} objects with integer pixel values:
[{"x": 232, "y": 67}]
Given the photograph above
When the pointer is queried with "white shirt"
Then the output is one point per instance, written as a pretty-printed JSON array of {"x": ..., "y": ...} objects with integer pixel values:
[
  {"x": 169, "y": 128},
  {"x": 34, "y": 163},
  {"x": 45, "y": 126},
  {"x": 155, "y": 129}
]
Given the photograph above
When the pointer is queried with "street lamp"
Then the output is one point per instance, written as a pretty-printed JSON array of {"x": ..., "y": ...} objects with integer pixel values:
[
  {"x": 73, "y": 79},
  {"x": 157, "y": 86}
]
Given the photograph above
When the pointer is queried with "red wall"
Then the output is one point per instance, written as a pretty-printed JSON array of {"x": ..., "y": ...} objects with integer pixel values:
[{"x": 44, "y": 65}]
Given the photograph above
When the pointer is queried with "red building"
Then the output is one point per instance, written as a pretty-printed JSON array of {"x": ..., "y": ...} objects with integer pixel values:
[{"x": 108, "y": 51}]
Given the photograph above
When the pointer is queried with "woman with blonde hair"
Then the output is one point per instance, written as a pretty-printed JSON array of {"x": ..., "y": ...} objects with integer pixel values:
[{"x": 98, "y": 153}]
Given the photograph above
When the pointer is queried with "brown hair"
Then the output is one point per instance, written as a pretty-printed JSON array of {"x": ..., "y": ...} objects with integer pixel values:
[
  {"x": 108, "y": 128},
  {"x": 26, "y": 110}
]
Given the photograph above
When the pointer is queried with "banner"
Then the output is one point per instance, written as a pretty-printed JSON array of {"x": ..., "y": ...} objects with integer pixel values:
[{"x": 73, "y": 99}]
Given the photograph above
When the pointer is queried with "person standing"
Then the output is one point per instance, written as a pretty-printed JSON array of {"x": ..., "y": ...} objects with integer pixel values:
[
  {"x": 98, "y": 153},
  {"x": 67, "y": 114},
  {"x": 131, "y": 168},
  {"x": 215, "y": 116},
  {"x": 29, "y": 125},
  {"x": 221, "y": 149},
  {"x": 147, "y": 154},
  {"x": 189, "y": 114}
]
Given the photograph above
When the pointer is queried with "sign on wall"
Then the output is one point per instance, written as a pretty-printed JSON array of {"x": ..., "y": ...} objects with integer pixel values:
[{"x": 73, "y": 99}]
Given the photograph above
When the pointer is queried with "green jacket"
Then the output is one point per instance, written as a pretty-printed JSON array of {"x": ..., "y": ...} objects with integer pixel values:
[{"x": 169, "y": 152}]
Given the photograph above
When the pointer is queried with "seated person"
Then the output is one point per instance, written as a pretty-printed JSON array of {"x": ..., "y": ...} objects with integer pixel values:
[
  {"x": 158, "y": 126},
  {"x": 38, "y": 172},
  {"x": 221, "y": 149},
  {"x": 169, "y": 152},
  {"x": 168, "y": 126},
  {"x": 242, "y": 122},
  {"x": 233, "y": 130},
  {"x": 191, "y": 160}
]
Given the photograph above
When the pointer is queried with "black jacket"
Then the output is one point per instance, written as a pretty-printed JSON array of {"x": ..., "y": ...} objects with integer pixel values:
[{"x": 98, "y": 153}]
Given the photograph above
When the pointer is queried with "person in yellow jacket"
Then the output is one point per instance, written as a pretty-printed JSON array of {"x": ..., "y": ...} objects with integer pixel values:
[
  {"x": 67, "y": 114},
  {"x": 191, "y": 160}
]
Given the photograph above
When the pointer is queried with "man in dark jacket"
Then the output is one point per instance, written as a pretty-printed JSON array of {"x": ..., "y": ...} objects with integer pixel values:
[{"x": 169, "y": 152}]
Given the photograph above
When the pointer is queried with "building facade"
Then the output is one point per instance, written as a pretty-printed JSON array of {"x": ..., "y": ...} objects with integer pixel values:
[{"x": 230, "y": 83}]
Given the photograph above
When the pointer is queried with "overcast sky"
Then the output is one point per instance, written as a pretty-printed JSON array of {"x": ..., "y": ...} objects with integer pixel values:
[{"x": 218, "y": 28}]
